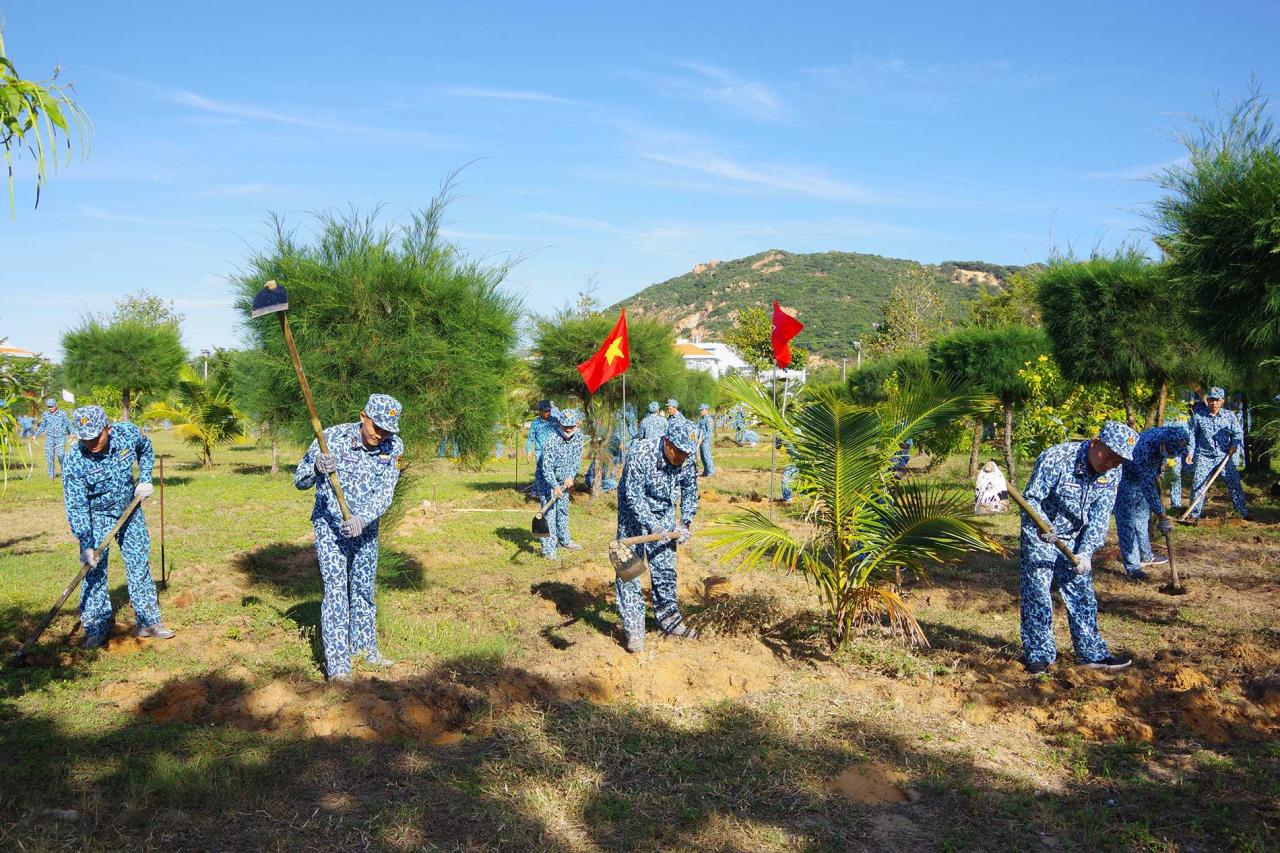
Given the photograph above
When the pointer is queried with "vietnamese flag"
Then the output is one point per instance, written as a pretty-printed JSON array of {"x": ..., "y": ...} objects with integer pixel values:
[
  {"x": 612, "y": 359},
  {"x": 785, "y": 327}
]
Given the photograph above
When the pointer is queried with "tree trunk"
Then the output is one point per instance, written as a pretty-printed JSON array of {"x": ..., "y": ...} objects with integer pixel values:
[
  {"x": 207, "y": 461},
  {"x": 1128, "y": 406},
  {"x": 275, "y": 454},
  {"x": 1008, "y": 440},
  {"x": 1162, "y": 402},
  {"x": 124, "y": 404},
  {"x": 594, "y": 447},
  {"x": 976, "y": 449}
]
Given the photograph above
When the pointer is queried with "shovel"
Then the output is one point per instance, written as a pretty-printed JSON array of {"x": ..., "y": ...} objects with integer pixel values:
[
  {"x": 1174, "y": 586},
  {"x": 84, "y": 570},
  {"x": 1195, "y": 499},
  {"x": 539, "y": 525},
  {"x": 626, "y": 562},
  {"x": 273, "y": 299},
  {"x": 1041, "y": 523}
]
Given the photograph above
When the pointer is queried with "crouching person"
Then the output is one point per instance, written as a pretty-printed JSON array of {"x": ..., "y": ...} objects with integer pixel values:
[
  {"x": 365, "y": 457},
  {"x": 97, "y": 486},
  {"x": 657, "y": 473}
]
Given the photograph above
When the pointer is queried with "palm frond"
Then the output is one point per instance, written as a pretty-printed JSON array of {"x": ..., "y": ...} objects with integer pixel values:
[
  {"x": 752, "y": 536},
  {"x": 929, "y": 402},
  {"x": 757, "y": 400}
]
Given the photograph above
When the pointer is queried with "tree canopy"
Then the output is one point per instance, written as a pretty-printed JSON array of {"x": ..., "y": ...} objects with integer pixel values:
[
  {"x": 914, "y": 315},
  {"x": 380, "y": 309},
  {"x": 751, "y": 338},
  {"x": 130, "y": 356}
]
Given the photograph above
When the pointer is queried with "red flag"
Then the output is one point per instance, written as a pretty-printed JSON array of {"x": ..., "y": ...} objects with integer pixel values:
[
  {"x": 785, "y": 327},
  {"x": 612, "y": 359}
]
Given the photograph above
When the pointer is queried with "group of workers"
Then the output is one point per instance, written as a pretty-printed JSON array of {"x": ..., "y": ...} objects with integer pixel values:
[{"x": 1075, "y": 487}]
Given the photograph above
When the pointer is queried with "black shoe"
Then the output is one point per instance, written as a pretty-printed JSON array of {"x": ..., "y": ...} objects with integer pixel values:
[
  {"x": 1039, "y": 667},
  {"x": 1138, "y": 575},
  {"x": 1110, "y": 662}
]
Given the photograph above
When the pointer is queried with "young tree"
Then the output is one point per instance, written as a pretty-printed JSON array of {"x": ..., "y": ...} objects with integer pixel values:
[
  {"x": 567, "y": 338},
  {"x": 914, "y": 315},
  {"x": 1114, "y": 319},
  {"x": 127, "y": 355},
  {"x": 146, "y": 307},
  {"x": 38, "y": 118},
  {"x": 203, "y": 415},
  {"x": 1016, "y": 305},
  {"x": 990, "y": 360},
  {"x": 867, "y": 385},
  {"x": 390, "y": 309},
  {"x": 750, "y": 338},
  {"x": 864, "y": 528}
]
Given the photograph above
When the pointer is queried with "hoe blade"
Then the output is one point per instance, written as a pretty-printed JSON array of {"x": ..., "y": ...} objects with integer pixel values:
[{"x": 270, "y": 299}]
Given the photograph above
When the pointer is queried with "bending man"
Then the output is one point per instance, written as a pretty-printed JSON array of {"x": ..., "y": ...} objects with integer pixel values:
[
  {"x": 657, "y": 473},
  {"x": 365, "y": 456},
  {"x": 1139, "y": 496},
  {"x": 97, "y": 485}
]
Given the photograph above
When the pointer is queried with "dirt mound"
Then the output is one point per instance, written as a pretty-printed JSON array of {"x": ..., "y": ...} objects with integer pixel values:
[{"x": 871, "y": 784}]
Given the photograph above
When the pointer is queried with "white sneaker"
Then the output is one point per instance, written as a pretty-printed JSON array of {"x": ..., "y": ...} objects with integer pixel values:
[{"x": 1156, "y": 560}]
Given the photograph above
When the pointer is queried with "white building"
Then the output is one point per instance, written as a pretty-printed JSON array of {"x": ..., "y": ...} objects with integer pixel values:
[{"x": 718, "y": 359}]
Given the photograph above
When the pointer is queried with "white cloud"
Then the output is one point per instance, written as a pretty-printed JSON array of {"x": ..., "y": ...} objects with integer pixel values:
[
  {"x": 788, "y": 179},
  {"x": 716, "y": 85},
  {"x": 507, "y": 95},
  {"x": 1137, "y": 173}
]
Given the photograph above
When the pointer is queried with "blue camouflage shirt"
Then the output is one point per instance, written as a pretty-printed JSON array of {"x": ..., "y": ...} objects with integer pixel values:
[
  {"x": 102, "y": 483},
  {"x": 650, "y": 487},
  {"x": 1074, "y": 499},
  {"x": 560, "y": 459},
  {"x": 539, "y": 432},
  {"x": 1143, "y": 471},
  {"x": 1212, "y": 435},
  {"x": 368, "y": 475},
  {"x": 653, "y": 426},
  {"x": 706, "y": 427},
  {"x": 55, "y": 425}
]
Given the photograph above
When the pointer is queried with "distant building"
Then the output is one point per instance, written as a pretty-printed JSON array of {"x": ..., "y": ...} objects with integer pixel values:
[{"x": 714, "y": 358}]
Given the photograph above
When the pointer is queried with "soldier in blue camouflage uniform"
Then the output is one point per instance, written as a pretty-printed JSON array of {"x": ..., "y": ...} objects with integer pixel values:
[
  {"x": 1215, "y": 433},
  {"x": 1073, "y": 487},
  {"x": 658, "y": 472},
  {"x": 1194, "y": 407},
  {"x": 365, "y": 456},
  {"x": 56, "y": 428},
  {"x": 557, "y": 469},
  {"x": 654, "y": 425},
  {"x": 673, "y": 408},
  {"x": 1139, "y": 496},
  {"x": 97, "y": 485},
  {"x": 707, "y": 431}
]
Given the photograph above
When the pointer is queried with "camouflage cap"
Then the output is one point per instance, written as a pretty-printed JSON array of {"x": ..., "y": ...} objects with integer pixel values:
[
  {"x": 682, "y": 434},
  {"x": 568, "y": 417},
  {"x": 51, "y": 403},
  {"x": 704, "y": 408},
  {"x": 653, "y": 407},
  {"x": 544, "y": 405},
  {"x": 88, "y": 422},
  {"x": 673, "y": 403},
  {"x": 1119, "y": 439},
  {"x": 1216, "y": 393},
  {"x": 384, "y": 410}
]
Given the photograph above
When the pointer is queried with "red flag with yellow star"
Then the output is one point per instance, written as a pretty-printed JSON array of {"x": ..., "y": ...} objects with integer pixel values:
[{"x": 612, "y": 359}]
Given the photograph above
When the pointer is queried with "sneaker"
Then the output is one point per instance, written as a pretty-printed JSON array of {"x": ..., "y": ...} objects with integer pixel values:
[
  {"x": 552, "y": 557},
  {"x": 376, "y": 659},
  {"x": 1110, "y": 662},
  {"x": 1155, "y": 560},
  {"x": 93, "y": 641},
  {"x": 1039, "y": 667},
  {"x": 635, "y": 643},
  {"x": 1137, "y": 575},
  {"x": 339, "y": 678},
  {"x": 571, "y": 546},
  {"x": 681, "y": 632},
  {"x": 157, "y": 631}
]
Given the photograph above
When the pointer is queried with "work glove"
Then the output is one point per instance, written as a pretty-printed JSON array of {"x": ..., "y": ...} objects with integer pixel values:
[
  {"x": 568, "y": 484},
  {"x": 143, "y": 490},
  {"x": 1164, "y": 525},
  {"x": 1048, "y": 538},
  {"x": 352, "y": 527},
  {"x": 326, "y": 463},
  {"x": 87, "y": 557},
  {"x": 1189, "y": 460},
  {"x": 682, "y": 533},
  {"x": 1085, "y": 564}
]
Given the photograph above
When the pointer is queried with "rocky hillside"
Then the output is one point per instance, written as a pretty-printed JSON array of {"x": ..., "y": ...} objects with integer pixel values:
[{"x": 838, "y": 295}]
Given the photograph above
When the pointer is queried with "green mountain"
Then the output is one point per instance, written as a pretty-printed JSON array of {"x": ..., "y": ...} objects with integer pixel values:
[{"x": 837, "y": 295}]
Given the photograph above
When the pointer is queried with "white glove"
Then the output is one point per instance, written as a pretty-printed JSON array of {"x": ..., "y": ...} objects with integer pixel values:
[
  {"x": 326, "y": 463},
  {"x": 683, "y": 533},
  {"x": 1164, "y": 525},
  {"x": 1084, "y": 564},
  {"x": 88, "y": 558},
  {"x": 352, "y": 527},
  {"x": 143, "y": 490},
  {"x": 1048, "y": 538}
]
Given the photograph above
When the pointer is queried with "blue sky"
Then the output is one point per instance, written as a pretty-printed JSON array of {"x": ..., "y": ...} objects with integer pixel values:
[{"x": 626, "y": 144}]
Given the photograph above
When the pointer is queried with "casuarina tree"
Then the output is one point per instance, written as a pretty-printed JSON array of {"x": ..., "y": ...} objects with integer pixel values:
[
  {"x": 128, "y": 355},
  {"x": 990, "y": 359},
  {"x": 374, "y": 308}
]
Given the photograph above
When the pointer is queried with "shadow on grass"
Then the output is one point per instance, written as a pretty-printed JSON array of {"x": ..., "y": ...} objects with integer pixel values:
[
  {"x": 292, "y": 569},
  {"x": 575, "y": 605},
  {"x": 17, "y": 540},
  {"x": 542, "y": 769},
  {"x": 253, "y": 469},
  {"x": 521, "y": 537}
]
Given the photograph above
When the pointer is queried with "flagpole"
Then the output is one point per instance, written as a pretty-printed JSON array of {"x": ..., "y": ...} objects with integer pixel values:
[
  {"x": 773, "y": 445},
  {"x": 624, "y": 437}
]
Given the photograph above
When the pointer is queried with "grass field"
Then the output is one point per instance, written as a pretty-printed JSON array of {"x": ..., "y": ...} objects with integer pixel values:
[{"x": 515, "y": 720}]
